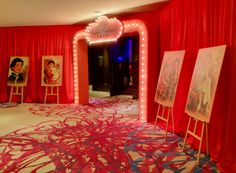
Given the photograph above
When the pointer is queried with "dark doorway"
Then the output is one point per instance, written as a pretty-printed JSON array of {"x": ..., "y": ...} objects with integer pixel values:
[{"x": 114, "y": 67}]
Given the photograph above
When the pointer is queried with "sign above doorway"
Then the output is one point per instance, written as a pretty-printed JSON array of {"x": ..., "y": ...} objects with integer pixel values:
[{"x": 103, "y": 30}]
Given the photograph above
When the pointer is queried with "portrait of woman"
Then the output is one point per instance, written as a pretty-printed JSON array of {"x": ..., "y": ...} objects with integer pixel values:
[
  {"x": 18, "y": 71},
  {"x": 204, "y": 82},
  {"x": 169, "y": 77},
  {"x": 51, "y": 71}
]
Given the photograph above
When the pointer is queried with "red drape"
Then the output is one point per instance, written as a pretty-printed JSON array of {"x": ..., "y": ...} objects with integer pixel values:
[
  {"x": 181, "y": 24},
  {"x": 194, "y": 24},
  {"x": 36, "y": 42}
]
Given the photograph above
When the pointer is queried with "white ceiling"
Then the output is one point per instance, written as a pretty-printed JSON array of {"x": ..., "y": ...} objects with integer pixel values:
[{"x": 61, "y": 12}]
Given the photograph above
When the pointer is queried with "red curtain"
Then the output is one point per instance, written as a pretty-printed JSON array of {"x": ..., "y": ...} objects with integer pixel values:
[
  {"x": 36, "y": 42},
  {"x": 180, "y": 24},
  {"x": 194, "y": 24}
]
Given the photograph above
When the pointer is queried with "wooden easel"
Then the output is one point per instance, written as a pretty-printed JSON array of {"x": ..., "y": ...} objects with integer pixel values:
[
  {"x": 51, "y": 93},
  {"x": 194, "y": 134},
  {"x": 19, "y": 90},
  {"x": 164, "y": 117}
]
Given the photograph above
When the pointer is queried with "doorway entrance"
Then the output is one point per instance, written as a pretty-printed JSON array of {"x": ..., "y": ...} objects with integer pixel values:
[
  {"x": 114, "y": 68},
  {"x": 80, "y": 65}
]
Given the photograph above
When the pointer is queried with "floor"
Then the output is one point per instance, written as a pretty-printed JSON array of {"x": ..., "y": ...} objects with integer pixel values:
[{"x": 103, "y": 136}]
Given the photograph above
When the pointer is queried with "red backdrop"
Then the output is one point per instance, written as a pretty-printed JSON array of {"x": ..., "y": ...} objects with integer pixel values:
[
  {"x": 180, "y": 24},
  {"x": 190, "y": 25},
  {"x": 36, "y": 42}
]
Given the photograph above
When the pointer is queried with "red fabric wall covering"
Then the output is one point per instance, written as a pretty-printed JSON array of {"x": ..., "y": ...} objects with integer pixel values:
[
  {"x": 190, "y": 25},
  {"x": 181, "y": 24},
  {"x": 36, "y": 42}
]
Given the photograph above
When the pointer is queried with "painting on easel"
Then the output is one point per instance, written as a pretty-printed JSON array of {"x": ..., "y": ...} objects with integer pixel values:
[
  {"x": 51, "y": 71},
  {"x": 18, "y": 71},
  {"x": 169, "y": 77},
  {"x": 204, "y": 82}
]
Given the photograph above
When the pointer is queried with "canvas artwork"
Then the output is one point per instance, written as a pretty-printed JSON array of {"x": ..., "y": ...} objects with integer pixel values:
[
  {"x": 169, "y": 77},
  {"x": 18, "y": 71},
  {"x": 51, "y": 71},
  {"x": 204, "y": 82}
]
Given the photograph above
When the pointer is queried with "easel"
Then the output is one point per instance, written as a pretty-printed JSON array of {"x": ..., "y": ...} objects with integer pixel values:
[
  {"x": 164, "y": 117},
  {"x": 51, "y": 93},
  {"x": 193, "y": 133},
  {"x": 19, "y": 90}
]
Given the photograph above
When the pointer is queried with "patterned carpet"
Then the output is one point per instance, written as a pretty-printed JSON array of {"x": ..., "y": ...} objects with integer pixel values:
[{"x": 104, "y": 136}]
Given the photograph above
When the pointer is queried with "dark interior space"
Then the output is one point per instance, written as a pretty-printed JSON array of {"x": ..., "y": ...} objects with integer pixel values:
[{"x": 114, "y": 67}]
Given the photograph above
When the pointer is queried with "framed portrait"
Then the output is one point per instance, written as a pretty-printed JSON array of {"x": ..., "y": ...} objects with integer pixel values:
[
  {"x": 204, "y": 82},
  {"x": 51, "y": 71},
  {"x": 18, "y": 71},
  {"x": 169, "y": 77}
]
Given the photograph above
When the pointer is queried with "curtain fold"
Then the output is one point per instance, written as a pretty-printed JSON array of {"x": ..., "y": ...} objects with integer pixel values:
[{"x": 190, "y": 25}]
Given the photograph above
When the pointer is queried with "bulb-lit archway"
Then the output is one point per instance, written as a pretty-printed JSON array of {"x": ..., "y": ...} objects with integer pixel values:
[{"x": 130, "y": 26}]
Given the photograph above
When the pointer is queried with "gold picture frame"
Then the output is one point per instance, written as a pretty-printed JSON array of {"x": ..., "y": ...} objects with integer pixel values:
[
  {"x": 51, "y": 70},
  {"x": 169, "y": 77},
  {"x": 204, "y": 82},
  {"x": 18, "y": 71}
]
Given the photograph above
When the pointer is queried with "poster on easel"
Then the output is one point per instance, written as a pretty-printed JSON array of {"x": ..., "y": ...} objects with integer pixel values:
[
  {"x": 18, "y": 71},
  {"x": 51, "y": 71},
  {"x": 169, "y": 77},
  {"x": 204, "y": 82}
]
